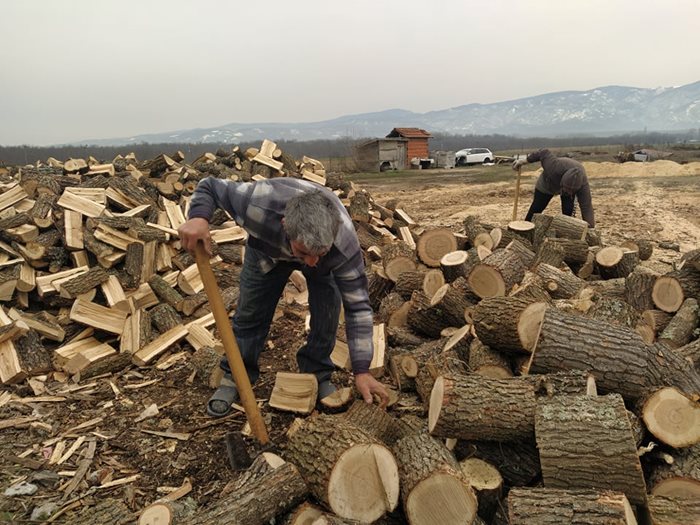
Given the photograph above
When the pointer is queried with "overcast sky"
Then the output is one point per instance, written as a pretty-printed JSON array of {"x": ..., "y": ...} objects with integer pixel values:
[{"x": 73, "y": 70}]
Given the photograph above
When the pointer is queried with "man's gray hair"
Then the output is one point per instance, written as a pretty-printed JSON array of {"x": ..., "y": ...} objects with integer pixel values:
[{"x": 312, "y": 219}]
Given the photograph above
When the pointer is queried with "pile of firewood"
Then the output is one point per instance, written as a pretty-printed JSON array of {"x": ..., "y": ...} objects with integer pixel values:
[{"x": 503, "y": 336}]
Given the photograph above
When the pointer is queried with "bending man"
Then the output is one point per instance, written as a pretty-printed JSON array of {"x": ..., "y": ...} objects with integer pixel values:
[
  {"x": 292, "y": 225},
  {"x": 560, "y": 175}
]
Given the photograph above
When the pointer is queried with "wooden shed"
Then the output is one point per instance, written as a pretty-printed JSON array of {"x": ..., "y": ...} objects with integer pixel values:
[
  {"x": 382, "y": 154},
  {"x": 417, "y": 146},
  {"x": 395, "y": 151}
]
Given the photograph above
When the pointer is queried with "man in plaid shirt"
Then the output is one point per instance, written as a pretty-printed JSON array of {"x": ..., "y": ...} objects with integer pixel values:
[{"x": 291, "y": 224}]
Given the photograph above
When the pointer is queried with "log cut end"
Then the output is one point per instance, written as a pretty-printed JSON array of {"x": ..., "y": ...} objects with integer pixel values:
[
  {"x": 441, "y": 498},
  {"x": 678, "y": 487},
  {"x": 436, "y": 401},
  {"x": 530, "y": 324},
  {"x": 486, "y": 282},
  {"x": 434, "y": 244},
  {"x": 667, "y": 294},
  {"x": 364, "y": 484},
  {"x": 672, "y": 418}
]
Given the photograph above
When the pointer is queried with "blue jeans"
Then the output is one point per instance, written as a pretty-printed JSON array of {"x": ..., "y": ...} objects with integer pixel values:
[
  {"x": 540, "y": 201},
  {"x": 258, "y": 298}
]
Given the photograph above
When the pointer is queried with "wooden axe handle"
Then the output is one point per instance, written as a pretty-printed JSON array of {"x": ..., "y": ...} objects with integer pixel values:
[{"x": 233, "y": 354}]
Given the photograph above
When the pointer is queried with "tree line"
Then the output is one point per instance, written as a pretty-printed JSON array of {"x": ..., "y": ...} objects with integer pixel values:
[{"x": 337, "y": 149}]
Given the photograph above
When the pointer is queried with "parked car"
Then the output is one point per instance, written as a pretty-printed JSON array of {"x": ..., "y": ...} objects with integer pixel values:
[{"x": 465, "y": 157}]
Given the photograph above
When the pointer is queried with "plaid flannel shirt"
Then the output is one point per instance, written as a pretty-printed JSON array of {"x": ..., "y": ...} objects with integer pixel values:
[{"x": 258, "y": 207}]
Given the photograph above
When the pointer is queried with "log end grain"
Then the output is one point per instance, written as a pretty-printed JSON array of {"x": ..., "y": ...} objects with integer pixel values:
[
  {"x": 441, "y": 498},
  {"x": 672, "y": 418}
]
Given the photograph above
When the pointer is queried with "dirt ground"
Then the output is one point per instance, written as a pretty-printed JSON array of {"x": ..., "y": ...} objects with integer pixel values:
[{"x": 648, "y": 202}]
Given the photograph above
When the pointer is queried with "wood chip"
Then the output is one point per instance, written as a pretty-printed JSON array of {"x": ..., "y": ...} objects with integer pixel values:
[
  {"x": 182, "y": 436},
  {"x": 87, "y": 424},
  {"x": 16, "y": 422},
  {"x": 41, "y": 399},
  {"x": 118, "y": 482},
  {"x": 141, "y": 385},
  {"x": 150, "y": 411},
  {"x": 75, "y": 446}
]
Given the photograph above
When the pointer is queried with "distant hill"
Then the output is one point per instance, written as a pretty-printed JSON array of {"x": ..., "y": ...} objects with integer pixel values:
[{"x": 601, "y": 111}]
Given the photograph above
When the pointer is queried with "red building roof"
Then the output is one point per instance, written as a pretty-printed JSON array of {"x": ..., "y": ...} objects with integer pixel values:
[{"x": 409, "y": 133}]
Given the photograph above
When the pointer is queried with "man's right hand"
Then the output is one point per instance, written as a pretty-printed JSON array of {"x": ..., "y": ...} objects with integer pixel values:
[{"x": 193, "y": 231}]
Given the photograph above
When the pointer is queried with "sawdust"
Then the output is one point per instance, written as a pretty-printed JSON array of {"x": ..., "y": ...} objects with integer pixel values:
[{"x": 659, "y": 168}]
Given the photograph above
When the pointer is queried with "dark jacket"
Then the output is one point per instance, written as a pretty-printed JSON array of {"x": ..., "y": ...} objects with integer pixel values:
[{"x": 564, "y": 175}]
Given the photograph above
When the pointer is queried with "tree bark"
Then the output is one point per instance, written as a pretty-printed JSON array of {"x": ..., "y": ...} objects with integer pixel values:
[
  {"x": 679, "y": 479},
  {"x": 379, "y": 286},
  {"x": 638, "y": 286},
  {"x": 475, "y": 407},
  {"x": 85, "y": 282},
  {"x": 164, "y": 291},
  {"x": 559, "y": 284},
  {"x": 164, "y": 317},
  {"x": 374, "y": 421},
  {"x": 427, "y": 282},
  {"x": 617, "y": 357},
  {"x": 615, "y": 311},
  {"x": 587, "y": 442},
  {"x": 437, "y": 364},
  {"x": 487, "y": 362},
  {"x": 614, "y": 262},
  {"x": 674, "y": 511},
  {"x": 679, "y": 331},
  {"x": 508, "y": 324},
  {"x": 550, "y": 506},
  {"x": 496, "y": 274},
  {"x": 432, "y": 486},
  {"x": 549, "y": 253},
  {"x": 517, "y": 461}
]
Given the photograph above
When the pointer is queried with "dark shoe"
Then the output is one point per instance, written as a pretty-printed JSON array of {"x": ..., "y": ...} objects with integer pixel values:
[{"x": 219, "y": 404}]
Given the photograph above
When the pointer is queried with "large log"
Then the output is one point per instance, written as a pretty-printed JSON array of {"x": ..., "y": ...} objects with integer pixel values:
[
  {"x": 671, "y": 289},
  {"x": 566, "y": 227},
  {"x": 349, "y": 471},
  {"x": 614, "y": 262},
  {"x": 508, "y": 324},
  {"x": 549, "y": 506},
  {"x": 487, "y": 362},
  {"x": 691, "y": 353},
  {"x": 517, "y": 461},
  {"x": 433, "y": 488},
  {"x": 617, "y": 357},
  {"x": 575, "y": 252},
  {"x": 476, "y": 234},
  {"x": 480, "y": 408},
  {"x": 560, "y": 284},
  {"x": 428, "y": 318},
  {"x": 549, "y": 253},
  {"x": 378, "y": 286},
  {"x": 458, "y": 264},
  {"x": 615, "y": 311},
  {"x": 587, "y": 442},
  {"x": 374, "y": 421},
  {"x": 486, "y": 482},
  {"x": 397, "y": 258},
  {"x": 433, "y": 364},
  {"x": 269, "y": 487}
]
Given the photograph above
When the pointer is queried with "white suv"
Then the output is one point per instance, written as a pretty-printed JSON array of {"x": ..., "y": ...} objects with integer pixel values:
[{"x": 467, "y": 156}]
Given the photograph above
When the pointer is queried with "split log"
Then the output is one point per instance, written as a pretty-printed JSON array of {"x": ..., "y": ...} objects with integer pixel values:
[
  {"x": 672, "y": 418},
  {"x": 479, "y": 408},
  {"x": 566, "y": 227},
  {"x": 459, "y": 342},
  {"x": 496, "y": 274},
  {"x": 436, "y": 365},
  {"x": 638, "y": 287},
  {"x": 614, "y": 262},
  {"x": 643, "y": 247},
  {"x": 378, "y": 285},
  {"x": 657, "y": 320},
  {"x": 674, "y": 511},
  {"x": 617, "y": 357},
  {"x": 544, "y": 506},
  {"x": 487, "y": 362},
  {"x": 205, "y": 361},
  {"x": 518, "y": 461},
  {"x": 587, "y": 442},
  {"x": 531, "y": 289},
  {"x": 679, "y": 477},
  {"x": 294, "y": 392},
  {"x": 165, "y": 292},
  {"x": 98, "y": 316},
  {"x": 429, "y": 319},
  {"x": 397, "y": 258},
  {"x": 83, "y": 283},
  {"x": 508, "y": 324},
  {"x": 269, "y": 487},
  {"x": 680, "y": 329},
  {"x": 434, "y": 244},
  {"x": 427, "y": 282},
  {"x": 433, "y": 488},
  {"x": 159, "y": 345},
  {"x": 486, "y": 482},
  {"x": 559, "y": 284},
  {"x": 359, "y": 207},
  {"x": 24, "y": 357},
  {"x": 476, "y": 234},
  {"x": 164, "y": 317},
  {"x": 526, "y": 255},
  {"x": 349, "y": 471}
]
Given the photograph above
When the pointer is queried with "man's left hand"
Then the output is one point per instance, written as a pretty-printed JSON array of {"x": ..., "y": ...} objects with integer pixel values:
[{"x": 368, "y": 385}]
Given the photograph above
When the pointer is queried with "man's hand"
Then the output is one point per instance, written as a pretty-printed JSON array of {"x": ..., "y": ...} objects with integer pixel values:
[
  {"x": 193, "y": 231},
  {"x": 366, "y": 385},
  {"x": 519, "y": 162}
]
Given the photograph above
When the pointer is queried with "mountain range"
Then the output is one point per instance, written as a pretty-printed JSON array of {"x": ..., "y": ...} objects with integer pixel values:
[{"x": 605, "y": 110}]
